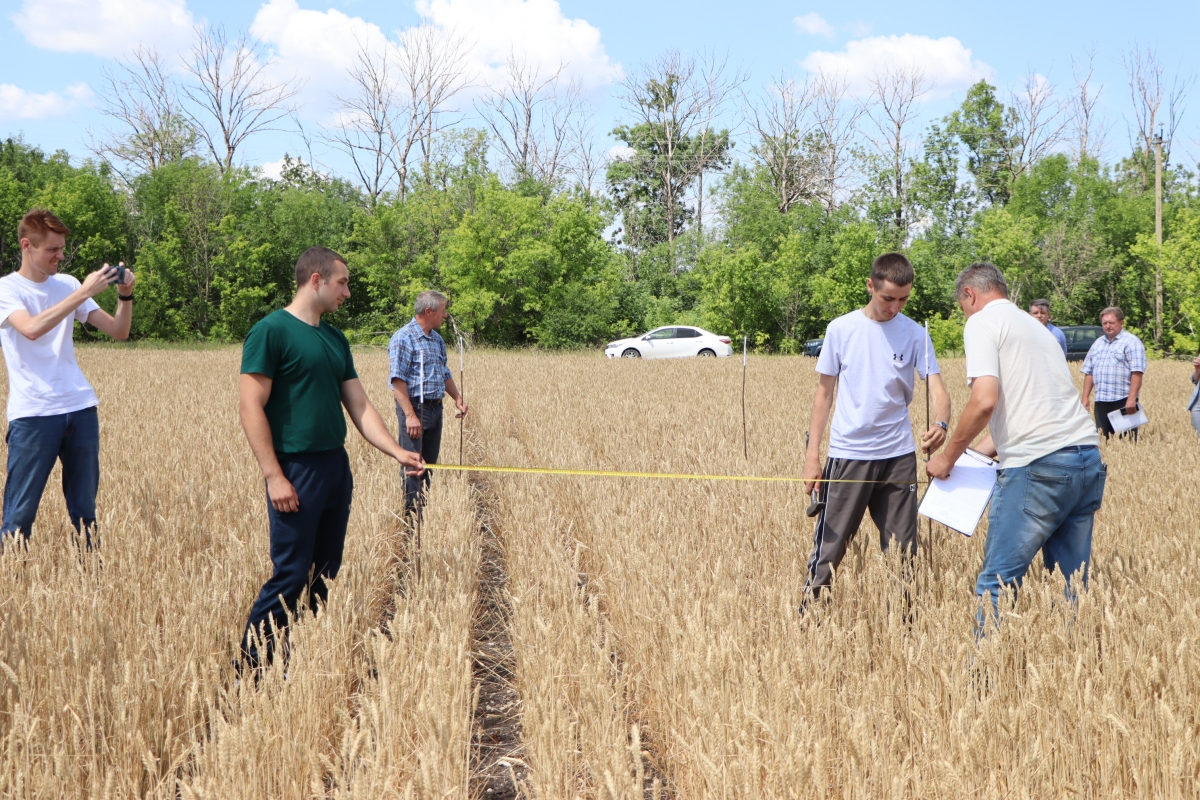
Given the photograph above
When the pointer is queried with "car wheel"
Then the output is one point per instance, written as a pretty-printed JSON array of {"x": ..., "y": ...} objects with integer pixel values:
[
  {"x": 706, "y": 353},
  {"x": 631, "y": 352}
]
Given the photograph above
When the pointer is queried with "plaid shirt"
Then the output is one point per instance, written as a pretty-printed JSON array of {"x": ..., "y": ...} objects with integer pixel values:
[
  {"x": 404, "y": 353},
  {"x": 1110, "y": 363}
]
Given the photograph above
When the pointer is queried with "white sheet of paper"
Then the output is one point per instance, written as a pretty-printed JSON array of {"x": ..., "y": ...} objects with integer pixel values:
[
  {"x": 1122, "y": 423},
  {"x": 959, "y": 501}
]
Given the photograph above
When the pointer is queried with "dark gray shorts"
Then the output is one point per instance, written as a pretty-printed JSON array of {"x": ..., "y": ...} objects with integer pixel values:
[{"x": 893, "y": 507}]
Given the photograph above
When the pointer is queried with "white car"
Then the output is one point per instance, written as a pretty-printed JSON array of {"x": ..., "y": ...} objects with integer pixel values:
[{"x": 675, "y": 341}]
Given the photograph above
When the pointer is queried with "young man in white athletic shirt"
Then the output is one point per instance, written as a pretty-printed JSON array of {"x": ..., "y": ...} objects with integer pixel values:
[{"x": 872, "y": 357}]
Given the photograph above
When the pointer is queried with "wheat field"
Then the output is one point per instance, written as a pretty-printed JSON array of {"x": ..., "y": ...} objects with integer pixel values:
[{"x": 655, "y": 645}]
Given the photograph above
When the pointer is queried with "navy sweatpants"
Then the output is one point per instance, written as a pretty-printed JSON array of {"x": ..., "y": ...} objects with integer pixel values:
[{"x": 304, "y": 541}]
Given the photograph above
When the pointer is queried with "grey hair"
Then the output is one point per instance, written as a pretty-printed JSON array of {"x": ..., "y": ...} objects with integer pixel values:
[
  {"x": 1041, "y": 304},
  {"x": 983, "y": 278},
  {"x": 429, "y": 301},
  {"x": 1115, "y": 311}
]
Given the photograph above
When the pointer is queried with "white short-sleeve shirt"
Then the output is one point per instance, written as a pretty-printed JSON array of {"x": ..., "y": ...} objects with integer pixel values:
[
  {"x": 43, "y": 377},
  {"x": 875, "y": 364},
  {"x": 1039, "y": 409}
]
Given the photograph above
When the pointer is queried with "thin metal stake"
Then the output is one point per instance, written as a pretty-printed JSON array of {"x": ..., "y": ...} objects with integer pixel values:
[
  {"x": 420, "y": 492},
  {"x": 462, "y": 393},
  {"x": 745, "y": 441},
  {"x": 928, "y": 522}
]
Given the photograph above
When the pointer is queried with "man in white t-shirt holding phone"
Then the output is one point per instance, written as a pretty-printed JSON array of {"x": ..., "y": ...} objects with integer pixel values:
[
  {"x": 51, "y": 406},
  {"x": 872, "y": 357}
]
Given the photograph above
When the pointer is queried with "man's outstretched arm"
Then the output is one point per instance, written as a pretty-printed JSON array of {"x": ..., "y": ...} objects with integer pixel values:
[
  {"x": 366, "y": 418},
  {"x": 985, "y": 393}
]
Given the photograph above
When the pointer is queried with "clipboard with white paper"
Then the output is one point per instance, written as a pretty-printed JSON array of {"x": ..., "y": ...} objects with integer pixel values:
[
  {"x": 959, "y": 500},
  {"x": 1122, "y": 422}
]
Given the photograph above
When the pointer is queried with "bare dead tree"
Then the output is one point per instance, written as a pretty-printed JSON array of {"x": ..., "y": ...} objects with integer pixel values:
[
  {"x": 1147, "y": 93},
  {"x": 431, "y": 66},
  {"x": 530, "y": 117},
  {"x": 661, "y": 95},
  {"x": 675, "y": 99},
  {"x": 141, "y": 96},
  {"x": 1088, "y": 132},
  {"x": 712, "y": 146},
  {"x": 835, "y": 128},
  {"x": 233, "y": 92},
  {"x": 365, "y": 120},
  {"x": 396, "y": 105},
  {"x": 586, "y": 161},
  {"x": 1039, "y": 124},
  {"x": 782, "y": 122},
  {"x": 892, "y": 106}
]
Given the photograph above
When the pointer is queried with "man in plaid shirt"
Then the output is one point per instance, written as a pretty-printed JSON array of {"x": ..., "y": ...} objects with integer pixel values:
[
  {"x": 420, "y": 379},
  {"x": 1114, "y": 365}
]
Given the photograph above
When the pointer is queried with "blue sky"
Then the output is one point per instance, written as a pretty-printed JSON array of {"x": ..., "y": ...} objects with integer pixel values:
[{"x": 55, "y": 50}]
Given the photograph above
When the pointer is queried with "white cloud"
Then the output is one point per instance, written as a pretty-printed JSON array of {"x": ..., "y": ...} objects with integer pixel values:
[
  {"x": 317, "y": 47},
  {"x": 814, "y": 24},
  {"x": 104, "y": 27},
  {"x": 620, "y": 152},
  {"x": 17, "y": 103},
  {"x": 536, "y": 30},
  {"x": 272, "y": 169},
  {"x": 944, "y": 61}
]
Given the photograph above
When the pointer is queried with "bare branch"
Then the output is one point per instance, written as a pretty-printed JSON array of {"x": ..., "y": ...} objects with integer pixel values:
[
  {"x": 431, "y": 67},
  {"x": 141, "y": 96},
  {"x": 1039, "y": 123},
  {"x": 782, "y": 121},
  {"x": 894, "y": 96},
  {"x": 233, "y": 92},
  {"x": 1088, "y": 132},
  {"x": 836, "y": 126},
  {"x": 1147, "y": 93},
  {"x": 530, "y": 117},
  {"x": 365, "y": 119}
]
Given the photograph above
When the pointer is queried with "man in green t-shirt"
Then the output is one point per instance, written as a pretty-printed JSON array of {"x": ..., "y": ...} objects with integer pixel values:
[{"x": 297, "y": 374}]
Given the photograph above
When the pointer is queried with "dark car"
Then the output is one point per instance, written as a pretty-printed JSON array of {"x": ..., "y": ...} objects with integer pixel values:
[
  {"x": 813, "y": 347},
  {"x": 1079, "y": 339}
]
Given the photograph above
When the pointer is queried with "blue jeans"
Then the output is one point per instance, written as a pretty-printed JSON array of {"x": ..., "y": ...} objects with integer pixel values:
[
  {"x": 1047, "y": 505},
  {"x": 34, "y": 444},
  {"x": 307, "y": 541},
  {"x": 428, "y": 444}
]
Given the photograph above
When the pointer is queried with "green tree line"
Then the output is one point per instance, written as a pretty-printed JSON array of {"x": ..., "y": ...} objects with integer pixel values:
[{"x": 559, "y": 264}]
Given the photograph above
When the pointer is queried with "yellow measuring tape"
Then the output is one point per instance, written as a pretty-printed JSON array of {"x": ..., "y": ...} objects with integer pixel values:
[{"x": 677, "y": 476}]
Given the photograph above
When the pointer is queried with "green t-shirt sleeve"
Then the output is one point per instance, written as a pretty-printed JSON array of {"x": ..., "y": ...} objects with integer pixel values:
[
  {"x": 350, "y": 373},
  {"x": 259, "y": 356}
]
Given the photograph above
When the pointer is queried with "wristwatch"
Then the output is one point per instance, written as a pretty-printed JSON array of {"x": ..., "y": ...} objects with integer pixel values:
[
  {"x": 124, "y": 296},
  {"x": 944, "y": 426}
]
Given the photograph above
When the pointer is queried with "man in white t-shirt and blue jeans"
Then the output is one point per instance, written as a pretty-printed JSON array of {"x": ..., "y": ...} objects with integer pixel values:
[
  {"x": 872, "y": 357},
  {"x": 1051, "y": 479},
  {"x": 51, "y": 406}
]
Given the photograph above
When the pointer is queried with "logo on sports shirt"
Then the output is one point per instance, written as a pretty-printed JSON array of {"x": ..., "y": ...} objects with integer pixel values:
[{"x": 898, "y": 358}]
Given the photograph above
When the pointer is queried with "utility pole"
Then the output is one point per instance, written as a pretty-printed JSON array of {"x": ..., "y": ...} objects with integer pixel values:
[{"x": 1158, "y": 280}]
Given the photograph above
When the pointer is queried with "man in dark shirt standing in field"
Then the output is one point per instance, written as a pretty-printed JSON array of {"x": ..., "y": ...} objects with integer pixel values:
[{"x": 297, "y": 373}]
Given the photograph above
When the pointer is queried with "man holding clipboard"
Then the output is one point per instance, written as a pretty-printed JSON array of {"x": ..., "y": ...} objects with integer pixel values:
[{"x": 1051, "y": 478}]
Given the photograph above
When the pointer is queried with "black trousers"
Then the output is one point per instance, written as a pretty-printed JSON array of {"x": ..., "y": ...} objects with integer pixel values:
[
  {"x": 306, "y": 541},
  {"x": 428, "y": 444},
  {"x": 892, "y": 503},
  {"x": 1102, "y": 408}
]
